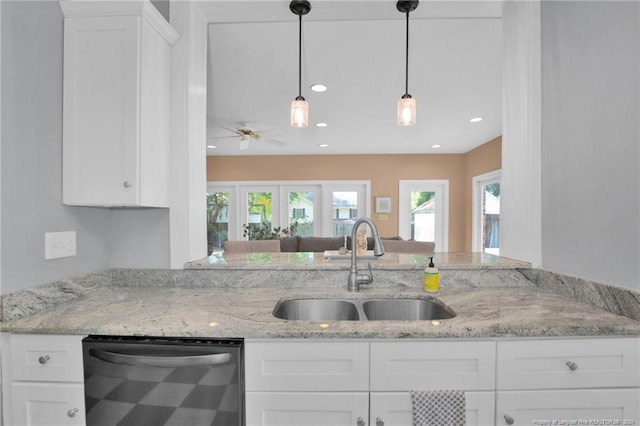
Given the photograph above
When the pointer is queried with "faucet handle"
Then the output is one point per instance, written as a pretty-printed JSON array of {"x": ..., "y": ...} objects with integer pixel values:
[{"x": 365, "y": 277}]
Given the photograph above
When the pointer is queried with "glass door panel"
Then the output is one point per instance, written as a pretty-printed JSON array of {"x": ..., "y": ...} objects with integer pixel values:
[
  {"x": 259, "y": 216},
  {"x": 217, "y": 220},
  {"x": 301, "y": 213},
  {"x": 491, "y": 218},
  {"x": 344, "y": 208},
  {"x": 423, "y": 215}
]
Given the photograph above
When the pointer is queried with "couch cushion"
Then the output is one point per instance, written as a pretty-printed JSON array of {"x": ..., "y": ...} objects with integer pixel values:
[
  {"x": 289, "y": 244},
  {"x": 320, "y": 243},
  {"x": 370, "y": 243},
  {"x": 252, "y": 246},
  {"x": 413, "y": 247}
]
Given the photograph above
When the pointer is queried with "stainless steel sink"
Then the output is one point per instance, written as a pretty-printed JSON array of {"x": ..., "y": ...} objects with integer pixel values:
[
  {"x": 378, "y": 309},
  {"x": 316, "y": 310},
  {"x": 405, "y": 310}
]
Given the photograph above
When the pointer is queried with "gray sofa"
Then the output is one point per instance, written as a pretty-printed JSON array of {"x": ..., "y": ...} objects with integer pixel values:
[{"x": 321, "y": 244}]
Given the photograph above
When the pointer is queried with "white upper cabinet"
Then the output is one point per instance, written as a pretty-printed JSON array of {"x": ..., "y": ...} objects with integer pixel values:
[{"x": 116, "y": 104}]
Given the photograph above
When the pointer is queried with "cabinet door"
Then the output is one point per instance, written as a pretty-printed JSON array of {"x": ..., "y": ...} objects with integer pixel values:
[
  {"x": 395, "y": 408},
  {"x": 47, "y": 404},
  {"x": 569, "y": 363},
  {"x": 403, "y": 366},
  {"x": 564, "y": 407},
  {"x": 116, "y": 118},
  {"x": 306, "y": 408},
  {"x": 307, "y": 366},
  {"x": 101, "y": 110}
]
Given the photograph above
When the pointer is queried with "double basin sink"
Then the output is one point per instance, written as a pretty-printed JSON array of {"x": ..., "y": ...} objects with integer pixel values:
[{"x": 374, "y": 309}]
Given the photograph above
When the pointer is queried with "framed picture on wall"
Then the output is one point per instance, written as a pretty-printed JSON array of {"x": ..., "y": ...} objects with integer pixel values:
[{"x": 383, "y": 204}]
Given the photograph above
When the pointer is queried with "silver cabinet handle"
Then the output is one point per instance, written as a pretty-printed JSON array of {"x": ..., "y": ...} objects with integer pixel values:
[
  {"x": 72, "y": 412},
  {"x": 43, "y": 359},
  {"x": 508, "y": 419},
  {"x": 572, "y": 365},
  {"x": 159, "y": 361},
  {"x": 379, "y": 422},
  {"x": 360, "y": 422},
  {"x": 126, "y": 184}
]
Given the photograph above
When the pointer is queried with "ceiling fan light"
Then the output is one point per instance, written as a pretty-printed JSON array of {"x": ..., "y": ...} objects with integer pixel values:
[
  {"x": 406, "y": 111},
  {"x": 299, "y": 112}
]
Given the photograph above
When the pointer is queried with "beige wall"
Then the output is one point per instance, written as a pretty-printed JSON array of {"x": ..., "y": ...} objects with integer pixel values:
[{"x": 384, "y": 172}]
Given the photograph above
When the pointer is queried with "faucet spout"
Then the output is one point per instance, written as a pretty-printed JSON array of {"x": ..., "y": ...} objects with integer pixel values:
[{"x": 355, "y": 278}]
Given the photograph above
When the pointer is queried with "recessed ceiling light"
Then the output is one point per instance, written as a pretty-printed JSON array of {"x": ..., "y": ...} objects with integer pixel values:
[
  {"x": 323, "y": 145},
  {"x": 435, "y": 146},
  {"x": 211, "y": 146},
  {"x": 475, "y": 120},
  {"x": 318, "y": 88},
  {"x": 321, "y": 124}
]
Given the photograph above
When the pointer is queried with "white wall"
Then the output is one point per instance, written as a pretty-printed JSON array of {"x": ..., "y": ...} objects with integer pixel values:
[
  {"x": 591, "y": 139},
  {"x": 31, "y": 194},
  {"x": 520, "y": 188}
]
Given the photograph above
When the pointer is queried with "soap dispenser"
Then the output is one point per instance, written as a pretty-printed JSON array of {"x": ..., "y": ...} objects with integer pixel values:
[{"x": 431, "y": 277}]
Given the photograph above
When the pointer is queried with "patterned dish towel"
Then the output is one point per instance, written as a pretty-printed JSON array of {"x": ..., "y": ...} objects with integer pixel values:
[{"x": 438, "y": 408}]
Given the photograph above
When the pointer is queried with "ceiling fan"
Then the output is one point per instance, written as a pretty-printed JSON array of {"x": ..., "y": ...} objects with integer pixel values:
[{"x": 246, "y": 133}]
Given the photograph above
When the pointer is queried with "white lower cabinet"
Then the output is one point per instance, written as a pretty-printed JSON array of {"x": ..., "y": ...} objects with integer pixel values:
[
  {"x": 47, "y": 404},
  {"x": 568, "y": 381},
  {"x": 360, "y": 383},
  {"x": 43, "y": 380},
  {"x": 568, "y": 407}
]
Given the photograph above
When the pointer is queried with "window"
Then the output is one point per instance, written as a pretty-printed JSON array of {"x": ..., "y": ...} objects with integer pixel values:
[
  {"x": 253, "y": 209},
  {"x": 424, "y": 211},
  {"x": 217, "y": 220},
  {"x": 486, "y": 213}
]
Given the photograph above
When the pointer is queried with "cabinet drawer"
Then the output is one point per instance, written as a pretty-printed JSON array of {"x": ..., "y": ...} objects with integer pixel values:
[
  {"x": 404, "y": 366},
  {"x": 50, "y": 358},
  {"x": 568, "y": 407},
  {"x": 307, "y": 366},
  {"x": 396, "y": 409},
  {"x": 569, "y": 364},
  {"x": 306, "y": 408}
]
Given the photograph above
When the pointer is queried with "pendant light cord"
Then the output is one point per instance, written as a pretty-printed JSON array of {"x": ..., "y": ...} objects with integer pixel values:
[
  {"x": 406, "y": 67},
  {"x": 300, "y": 55}
]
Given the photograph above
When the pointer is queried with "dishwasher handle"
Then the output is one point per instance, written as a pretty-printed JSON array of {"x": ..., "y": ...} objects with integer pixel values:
[{"x": 159, "y": 361}]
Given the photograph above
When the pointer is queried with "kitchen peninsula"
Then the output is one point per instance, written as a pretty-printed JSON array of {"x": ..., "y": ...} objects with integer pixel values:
[{"x": 522, "y": 338}]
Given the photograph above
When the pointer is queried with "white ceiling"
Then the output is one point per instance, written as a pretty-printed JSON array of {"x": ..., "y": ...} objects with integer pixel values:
[{"x": 356, "y": 48}]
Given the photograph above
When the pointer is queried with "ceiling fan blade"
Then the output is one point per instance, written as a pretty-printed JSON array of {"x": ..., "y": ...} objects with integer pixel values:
[
  {"x": 231, "y": 129},
  {"x": 223, "y": 137},
  {"x": 274, "y": 141}
]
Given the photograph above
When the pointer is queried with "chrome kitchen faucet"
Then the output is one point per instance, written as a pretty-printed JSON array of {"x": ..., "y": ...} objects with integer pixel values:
[{"x": 355, "y": 279}]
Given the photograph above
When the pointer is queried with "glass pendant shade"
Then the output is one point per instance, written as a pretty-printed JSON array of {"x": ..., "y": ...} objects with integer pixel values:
[
  {"x": 406, "y": 111},
  {"x": 299, "y": 112}
]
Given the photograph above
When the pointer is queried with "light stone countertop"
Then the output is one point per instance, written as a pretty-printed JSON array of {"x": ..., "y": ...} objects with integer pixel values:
[
  {"x": 389, "y": 261},
  {"x": 489, "y": 303}
]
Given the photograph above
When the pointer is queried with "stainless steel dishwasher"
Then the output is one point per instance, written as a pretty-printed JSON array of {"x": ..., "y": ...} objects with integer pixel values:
[{"x": 163, "y": 381}]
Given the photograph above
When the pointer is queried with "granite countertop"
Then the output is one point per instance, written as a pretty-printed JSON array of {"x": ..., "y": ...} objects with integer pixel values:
[
  {"x": 389, "y": 261},
  {"x": 489, "y": 303}
]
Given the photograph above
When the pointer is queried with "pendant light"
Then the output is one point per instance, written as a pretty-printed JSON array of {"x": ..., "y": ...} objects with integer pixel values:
[
  {"x": 407, "y": 104},
  {"x": 300, "y": 106}
]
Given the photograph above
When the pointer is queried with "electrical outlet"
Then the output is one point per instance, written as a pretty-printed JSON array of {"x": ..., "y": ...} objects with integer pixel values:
[{"x": 59, "y": 244}]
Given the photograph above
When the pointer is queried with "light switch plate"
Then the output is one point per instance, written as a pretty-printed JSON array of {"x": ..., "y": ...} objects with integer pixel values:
[{"x": 59, "y": 244}]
